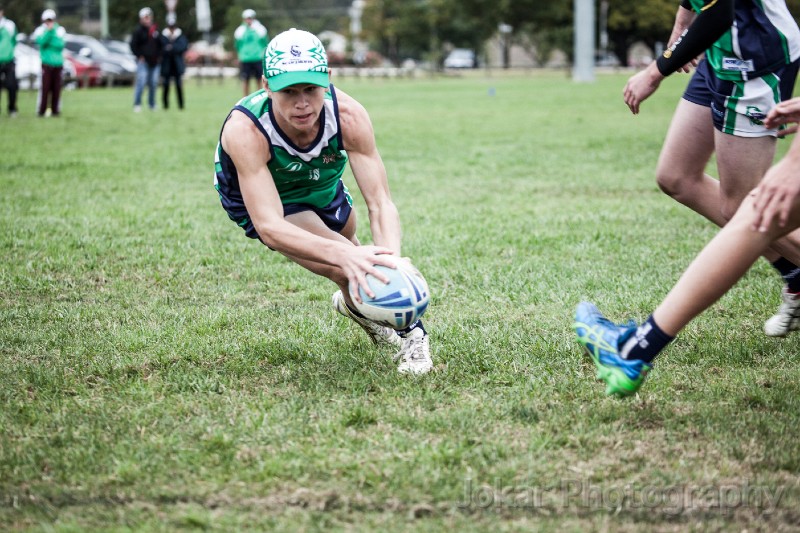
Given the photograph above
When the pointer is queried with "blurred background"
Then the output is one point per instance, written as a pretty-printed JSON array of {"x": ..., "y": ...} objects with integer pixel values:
[{"x": 434, "y": 35}]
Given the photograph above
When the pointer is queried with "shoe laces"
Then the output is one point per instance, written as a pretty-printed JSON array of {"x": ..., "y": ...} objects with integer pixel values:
[{"x": 414, "y": 350}]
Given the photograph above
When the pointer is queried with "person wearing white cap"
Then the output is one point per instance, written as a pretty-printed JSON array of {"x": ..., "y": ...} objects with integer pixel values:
[
  {"x": 50, "y": 38},
  {"x": 146, "y": 46},
  {"x": 250, "y": 39},
  {"x": 278, "y": 171},
  {"x": 174, "y": 45}
]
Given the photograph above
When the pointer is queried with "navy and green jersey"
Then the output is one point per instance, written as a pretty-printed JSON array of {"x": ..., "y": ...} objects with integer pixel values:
[
  {"x": 763, "y": 37},
  {"x": 305, "y": 175}
]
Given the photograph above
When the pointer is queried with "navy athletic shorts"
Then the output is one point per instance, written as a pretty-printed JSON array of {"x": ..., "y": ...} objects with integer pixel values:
[{"x": 739, "y": 107}]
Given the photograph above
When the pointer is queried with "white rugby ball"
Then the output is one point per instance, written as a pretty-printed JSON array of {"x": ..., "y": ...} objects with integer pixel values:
[{"x": 399, "y": 303}]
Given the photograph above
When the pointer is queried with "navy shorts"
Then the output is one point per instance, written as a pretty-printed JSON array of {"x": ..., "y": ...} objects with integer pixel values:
[
  {"x": 250, "y": 69},
  {"x": 739, "y": 107},
  {"x": 334, "y": 215}
]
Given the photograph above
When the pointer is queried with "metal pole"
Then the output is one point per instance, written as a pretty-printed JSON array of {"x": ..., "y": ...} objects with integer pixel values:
[
  {"x": 104, "y": 19},
  {"x": 583, "y": 64}
]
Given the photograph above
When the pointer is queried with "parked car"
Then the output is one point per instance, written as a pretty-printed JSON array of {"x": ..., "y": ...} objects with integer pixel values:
[
  {"x": 119, "y": 68},
  {"x": 461, "y": 58},
  {"x": 607, "y": 59},
  {"x": 28, "y": 66},
  {"x": 82, "y": 71},
  {"x": 119, "y": 47}
]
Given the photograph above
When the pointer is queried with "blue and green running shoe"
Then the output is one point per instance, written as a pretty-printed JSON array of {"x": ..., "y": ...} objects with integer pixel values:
[{"x": 601, "y": 339}]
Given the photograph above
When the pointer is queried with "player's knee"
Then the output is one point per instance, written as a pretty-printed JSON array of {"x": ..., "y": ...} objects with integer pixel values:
[
  {"x": 729, "y": 204},
  {"x": 670, "y": 183}
]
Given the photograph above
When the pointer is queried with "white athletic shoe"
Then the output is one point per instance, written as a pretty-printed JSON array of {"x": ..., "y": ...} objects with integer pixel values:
[
  {"x": 415, "y": 355},
  {"x": 788, "y": 317},
  {"x": 380, "y": 335}
]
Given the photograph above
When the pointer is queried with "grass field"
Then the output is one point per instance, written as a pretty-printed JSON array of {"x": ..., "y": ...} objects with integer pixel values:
[{"x": 161, "y": 372}]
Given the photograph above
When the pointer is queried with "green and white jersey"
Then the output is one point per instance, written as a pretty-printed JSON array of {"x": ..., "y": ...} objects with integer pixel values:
[
  {"x": 764, "y": 36},
  {"x": 250, "y": 42},
  {"x": 307, "y": 175},
  {"x": 8, "y": 40}
]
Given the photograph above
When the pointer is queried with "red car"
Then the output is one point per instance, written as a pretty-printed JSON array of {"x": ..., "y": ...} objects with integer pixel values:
[{"x": 82, "y": 70}]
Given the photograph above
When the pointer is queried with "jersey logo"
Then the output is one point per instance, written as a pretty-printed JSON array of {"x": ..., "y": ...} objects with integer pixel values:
[
  {"x": 755, "y": 115},
  {"x": 737, "y": 65},
  {"x": 329, "y": 158},
  {"x": 313, "y": 174},
  {"x": 294, "y": 166}
]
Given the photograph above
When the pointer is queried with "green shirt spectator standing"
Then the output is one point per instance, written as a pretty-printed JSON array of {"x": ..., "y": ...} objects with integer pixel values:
[
  {"x": 251, "y": 38},
  {"x": 8, "y": 76},
  {"x": 50, "y": 38}
]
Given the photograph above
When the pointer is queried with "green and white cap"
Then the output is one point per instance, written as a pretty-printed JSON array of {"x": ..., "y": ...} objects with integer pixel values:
[{"x": 295, "y": 56}]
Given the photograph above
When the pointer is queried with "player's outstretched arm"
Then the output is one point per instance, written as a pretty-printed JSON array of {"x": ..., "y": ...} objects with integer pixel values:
[
  {"x": 250, "y": 152},
  {"x": 369, "y": 171}
]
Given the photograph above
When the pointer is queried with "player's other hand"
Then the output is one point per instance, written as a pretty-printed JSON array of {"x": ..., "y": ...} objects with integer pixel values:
[
  {"x": 640, "y": 86},
  {"x": 777, "y": 194},
  {"x": 786, "y": 112},
  {"x": 358, "y": 261}
]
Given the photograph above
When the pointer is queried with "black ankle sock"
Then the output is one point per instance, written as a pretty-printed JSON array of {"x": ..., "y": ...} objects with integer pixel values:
[
  {"x": 789, "y": 272},
  {"x": 646, "y": 343},
  {"x": 415, "y": 325}
]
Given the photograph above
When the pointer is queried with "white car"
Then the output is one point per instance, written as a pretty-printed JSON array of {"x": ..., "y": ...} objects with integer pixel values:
[
  {"x": 461, "y": 58},
  {"x": 28, "y": 66}
]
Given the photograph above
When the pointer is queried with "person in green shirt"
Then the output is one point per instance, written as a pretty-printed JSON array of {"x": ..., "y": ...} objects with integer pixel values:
[
  {"x": 251, "y": 39},
  {"x": 50, "y": 38},
  {"x": 8, "y": 76}
]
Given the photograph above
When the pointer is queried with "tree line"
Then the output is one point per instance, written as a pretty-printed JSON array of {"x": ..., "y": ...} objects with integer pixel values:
[{"x": 397, "y": 29}]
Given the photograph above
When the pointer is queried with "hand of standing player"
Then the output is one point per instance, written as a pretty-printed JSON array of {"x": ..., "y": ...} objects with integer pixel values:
[{"x": 640, "y": 86}]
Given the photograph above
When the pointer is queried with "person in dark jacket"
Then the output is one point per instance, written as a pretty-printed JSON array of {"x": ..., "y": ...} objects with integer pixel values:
[
  {"x": 146, "y": 46},
  {"x": 174, "y": 45}
]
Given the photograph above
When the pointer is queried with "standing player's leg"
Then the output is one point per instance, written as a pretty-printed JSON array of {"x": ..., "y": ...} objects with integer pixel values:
[
  {"x": 745, "y": 151},
  {"x": 681, "y": 165}
]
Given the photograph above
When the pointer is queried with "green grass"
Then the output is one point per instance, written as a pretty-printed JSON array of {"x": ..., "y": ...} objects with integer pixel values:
[{"x": 159, "y": 371}]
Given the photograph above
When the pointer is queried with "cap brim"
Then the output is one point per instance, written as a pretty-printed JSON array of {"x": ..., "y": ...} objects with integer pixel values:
[{"x": 281, "y": 81}]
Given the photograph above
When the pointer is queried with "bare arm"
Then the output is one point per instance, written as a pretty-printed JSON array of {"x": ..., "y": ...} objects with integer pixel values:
[
  {"x": 370, "y": 173},
  {"x": 249, "y": 151},
  {"x": 778, "y": 193}
]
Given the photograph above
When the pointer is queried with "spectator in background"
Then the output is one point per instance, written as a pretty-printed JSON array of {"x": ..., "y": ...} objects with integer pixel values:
[
  {"x": 174, "y": 45},
  {"x": 251, "y": 38},
  {"x": 50, "y": 38},
  {"x": 146, "y": 46},
  {"x": 8, "y": 75}
]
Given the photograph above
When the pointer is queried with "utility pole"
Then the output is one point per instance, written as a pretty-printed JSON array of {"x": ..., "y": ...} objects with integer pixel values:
[
  {"x": 583, "y": 63},
  {"x": 104, "y": 19}
]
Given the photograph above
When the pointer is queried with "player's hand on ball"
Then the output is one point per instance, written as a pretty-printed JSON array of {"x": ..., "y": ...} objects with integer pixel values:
[{"x": 358, "y": 261}]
